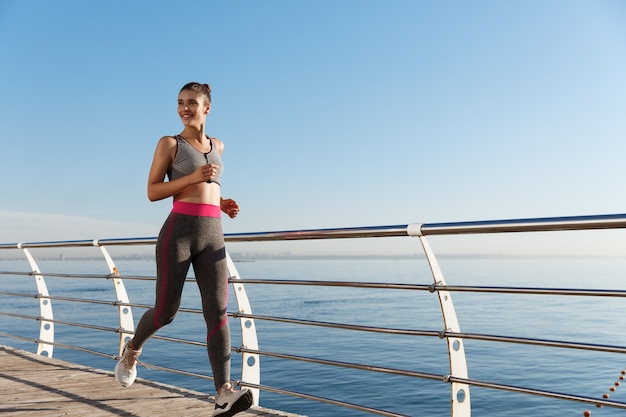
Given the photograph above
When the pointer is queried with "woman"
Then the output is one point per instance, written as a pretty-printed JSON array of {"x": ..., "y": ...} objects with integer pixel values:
[{"x": 191, "y": 235}]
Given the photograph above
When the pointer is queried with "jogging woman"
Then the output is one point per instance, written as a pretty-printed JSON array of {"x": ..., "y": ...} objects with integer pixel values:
[{"x": 192, "y": 235}]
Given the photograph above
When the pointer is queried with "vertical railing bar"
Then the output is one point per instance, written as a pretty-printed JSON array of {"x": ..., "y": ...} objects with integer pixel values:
[
  {"x": 46, "y": 324},
  {"x": 460, "y": 392},
  {"x": 251, "y": 362},
  {"x": 127, "y": 325}
]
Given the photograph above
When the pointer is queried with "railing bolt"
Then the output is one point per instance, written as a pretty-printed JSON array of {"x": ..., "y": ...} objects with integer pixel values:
[{"x": 433, "y": 287}]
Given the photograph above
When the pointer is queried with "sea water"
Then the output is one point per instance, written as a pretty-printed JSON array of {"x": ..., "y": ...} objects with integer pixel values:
[{"x": 599, "y": 320}]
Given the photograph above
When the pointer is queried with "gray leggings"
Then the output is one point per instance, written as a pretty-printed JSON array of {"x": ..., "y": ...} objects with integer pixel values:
[{"x": 199, "y": 241}]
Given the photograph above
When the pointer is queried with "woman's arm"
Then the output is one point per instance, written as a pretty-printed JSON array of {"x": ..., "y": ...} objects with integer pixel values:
[{"x": 227, "y": 205}]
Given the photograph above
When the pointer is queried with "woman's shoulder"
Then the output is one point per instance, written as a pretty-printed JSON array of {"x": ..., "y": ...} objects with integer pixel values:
[
  {"x": 169, "y": 138},
  {"x": 219, "y": 145},
  {"x": 167, "y": 144},
  {"x": 168, "y": 141}
]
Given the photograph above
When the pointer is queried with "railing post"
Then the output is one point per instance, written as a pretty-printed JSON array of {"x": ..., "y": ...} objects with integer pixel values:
[
  {"x": 251, "y": 365},
  {"x": 460, "y": 393},
  {"x": 127, "y": 325},
  {"x": 46, "y": 318}
]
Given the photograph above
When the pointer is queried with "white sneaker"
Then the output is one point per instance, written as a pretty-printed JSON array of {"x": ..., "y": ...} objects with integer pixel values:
[
  {"x": 126, "y": 368},
  {"x": 231, "y": 401}
]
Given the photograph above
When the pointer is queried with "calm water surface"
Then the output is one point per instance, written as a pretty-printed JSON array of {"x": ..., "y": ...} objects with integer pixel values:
[{"x": 598, "y": 320}]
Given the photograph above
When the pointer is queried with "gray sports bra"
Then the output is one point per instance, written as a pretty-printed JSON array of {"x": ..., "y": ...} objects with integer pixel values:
[{"x": 188, "y": 159}]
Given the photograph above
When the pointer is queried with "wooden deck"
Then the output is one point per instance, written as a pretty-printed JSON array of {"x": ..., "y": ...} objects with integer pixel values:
[{"x": 32, "y": 385}]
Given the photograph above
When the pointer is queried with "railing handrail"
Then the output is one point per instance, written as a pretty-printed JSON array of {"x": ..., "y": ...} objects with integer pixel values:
[{"x": 538, "y": 224}]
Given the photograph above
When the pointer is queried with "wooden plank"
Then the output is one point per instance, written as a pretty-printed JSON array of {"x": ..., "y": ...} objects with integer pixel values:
[{"x": 32, "y": 385}]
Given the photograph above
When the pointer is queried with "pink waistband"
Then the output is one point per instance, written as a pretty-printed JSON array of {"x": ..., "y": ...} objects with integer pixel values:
[{"x": 196, "y": 209}]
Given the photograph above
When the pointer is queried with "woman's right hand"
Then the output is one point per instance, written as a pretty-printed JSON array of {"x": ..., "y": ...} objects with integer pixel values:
[{"x": 206, "y": 173}]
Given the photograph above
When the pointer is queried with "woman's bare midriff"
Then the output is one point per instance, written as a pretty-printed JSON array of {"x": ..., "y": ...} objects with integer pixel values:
[{"x": 205, "y": 193}]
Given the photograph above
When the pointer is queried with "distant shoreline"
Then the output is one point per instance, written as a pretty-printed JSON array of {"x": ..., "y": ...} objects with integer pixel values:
[{"x": 251, "y": 257}]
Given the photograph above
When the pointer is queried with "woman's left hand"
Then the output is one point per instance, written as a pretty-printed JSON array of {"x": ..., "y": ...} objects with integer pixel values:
[{"x": 230, "y": 207}]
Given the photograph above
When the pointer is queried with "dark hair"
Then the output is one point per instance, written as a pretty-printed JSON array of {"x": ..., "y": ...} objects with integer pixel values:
[{"x": 203, "y": 89}]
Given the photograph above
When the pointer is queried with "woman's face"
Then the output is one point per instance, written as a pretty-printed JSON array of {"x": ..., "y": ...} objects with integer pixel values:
[{"x": 192, "y": 108}]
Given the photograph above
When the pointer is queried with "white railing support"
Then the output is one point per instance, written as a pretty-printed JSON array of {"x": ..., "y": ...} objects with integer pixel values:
[
  {"x": 251, "y": 364},
  {"x": 460, "y": 392},
  {"x": 127, "y": 324},
  {"x": 45, "y": 344}
]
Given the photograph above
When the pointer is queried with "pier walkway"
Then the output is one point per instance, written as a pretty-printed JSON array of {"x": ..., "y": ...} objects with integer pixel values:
[{"x": 32, "y": 385}]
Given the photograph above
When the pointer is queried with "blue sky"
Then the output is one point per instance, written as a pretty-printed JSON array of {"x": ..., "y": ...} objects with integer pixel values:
[{"x": 333, "y": 113}]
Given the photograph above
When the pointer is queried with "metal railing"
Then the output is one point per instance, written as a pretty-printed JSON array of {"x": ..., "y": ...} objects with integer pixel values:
[{"x": 451, "y": 332}]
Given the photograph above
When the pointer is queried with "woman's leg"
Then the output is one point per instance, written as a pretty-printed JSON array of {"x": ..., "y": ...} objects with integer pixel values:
[
  {"x": 173, "y": 258},
  {"x": 211, "y": 270}
]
